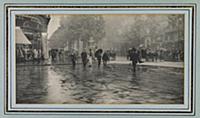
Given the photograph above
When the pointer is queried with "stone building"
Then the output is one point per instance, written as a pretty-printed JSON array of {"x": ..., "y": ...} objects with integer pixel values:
[{"x": 35, "y": 29}]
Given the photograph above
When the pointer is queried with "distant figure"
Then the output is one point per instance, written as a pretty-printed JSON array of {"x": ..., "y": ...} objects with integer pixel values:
[
  {"x": 105, "y": 58},
  {"x": 98, "y": 56},
  {"x": 20, "y": 55},
  {"x": 155, "y": 56},
  {"x": 23, "y": 54},
  {"x": 25, "y": 50},
  {"x": 129, "y": 53},
  {"x": 39, "y": 55},
  {"x": 35, "y": 55},
  {"x": 134, "y": 57},
  {"x": 151, "y": 55},
  {"x": 143, "y": 53},
  {"x": 112, "y": 54},
  {"x": 73, "y": 58},
  {"x": 60, "y": 55},
  {"x": 139, "y": 56},
  {"x": 53, "y": 55},
  {"x": 84, "y": 58},
  {"x": 90, "y": 57},
  {"x": 50, "y": 53}
]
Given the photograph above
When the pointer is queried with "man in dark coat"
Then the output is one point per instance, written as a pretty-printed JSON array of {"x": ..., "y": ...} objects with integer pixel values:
[
  {"x": 105, "y": 58},
  {"x": 84, "y": 58},
  {"x": 73, "y": 58},
  {"x": 134, "y": 57},
  {"x": 98, "y": 56}
]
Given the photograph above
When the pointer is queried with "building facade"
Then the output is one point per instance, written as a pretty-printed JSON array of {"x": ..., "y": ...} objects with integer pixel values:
[{"x": 35, "y": 29}]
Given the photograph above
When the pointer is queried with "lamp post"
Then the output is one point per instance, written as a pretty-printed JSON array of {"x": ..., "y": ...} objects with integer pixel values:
[
  {"x": 44, "y": 45},
  {"x": 91, "y": 42}
]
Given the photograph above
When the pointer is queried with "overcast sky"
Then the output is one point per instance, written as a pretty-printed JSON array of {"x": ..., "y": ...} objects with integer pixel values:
[{"x": 115, "y": 24}]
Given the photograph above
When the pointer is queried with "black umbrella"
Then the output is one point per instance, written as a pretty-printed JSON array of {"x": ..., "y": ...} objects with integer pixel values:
[{"x": 99, "y": 50}]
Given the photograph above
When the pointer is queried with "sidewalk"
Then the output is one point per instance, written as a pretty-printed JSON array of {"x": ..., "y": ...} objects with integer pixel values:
[
  {"x": 162, "y": 64},
  {"x": 120, "y": 60},
  {"x": 123, "y": 60}
]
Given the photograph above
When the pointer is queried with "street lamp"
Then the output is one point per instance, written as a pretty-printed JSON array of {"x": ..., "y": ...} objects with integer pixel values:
[{"x": 91, "y": 41}]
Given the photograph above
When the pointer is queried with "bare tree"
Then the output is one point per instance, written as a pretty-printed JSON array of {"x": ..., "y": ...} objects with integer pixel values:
[
  {"x": 83, "y": 27},
  {"x": 144, "y": 26},
  {"x": 75, "y": 28}
]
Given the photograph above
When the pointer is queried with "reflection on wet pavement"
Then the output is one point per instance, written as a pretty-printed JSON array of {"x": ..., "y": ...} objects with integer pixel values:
[{"x": 116, "y": 84}]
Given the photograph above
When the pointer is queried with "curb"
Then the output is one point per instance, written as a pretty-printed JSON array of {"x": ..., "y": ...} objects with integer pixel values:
[{"x": 109, "y": 64}]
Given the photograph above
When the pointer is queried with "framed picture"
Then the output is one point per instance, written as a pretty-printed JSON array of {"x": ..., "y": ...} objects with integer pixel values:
[{"x": 100, "y": 59}]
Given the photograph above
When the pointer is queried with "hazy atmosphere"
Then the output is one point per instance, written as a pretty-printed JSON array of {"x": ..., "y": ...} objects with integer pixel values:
[{"x": 100, "y": 59}]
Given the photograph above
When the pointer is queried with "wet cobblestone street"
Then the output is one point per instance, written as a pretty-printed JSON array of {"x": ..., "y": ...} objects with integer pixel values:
[{"x": 116, "y": 84}]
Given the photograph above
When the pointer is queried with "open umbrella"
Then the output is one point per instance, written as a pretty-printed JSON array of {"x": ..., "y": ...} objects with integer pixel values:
[{"x": 99, "y": 51}]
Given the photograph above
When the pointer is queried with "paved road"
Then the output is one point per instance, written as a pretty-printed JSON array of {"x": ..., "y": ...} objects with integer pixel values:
[
  {"x": 116, "y": 84},
  {"x": 119, "y": 60}
]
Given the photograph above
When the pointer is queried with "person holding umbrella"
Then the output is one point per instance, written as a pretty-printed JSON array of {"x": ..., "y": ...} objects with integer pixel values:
[
  {"x": 98, "y": 56},
  {"x": 105, "y": 58}
]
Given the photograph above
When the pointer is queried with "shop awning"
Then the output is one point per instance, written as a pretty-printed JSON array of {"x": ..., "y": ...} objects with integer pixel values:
[{"x": 20, "y": 38}]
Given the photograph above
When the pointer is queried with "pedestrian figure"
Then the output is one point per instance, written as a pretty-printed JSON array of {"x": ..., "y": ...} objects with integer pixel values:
[
  {"x": 60, "y": 55},
  {"x": 50, "y": 53},
  {"x": 129, "y": 53},
  {"x": 161, "y": 56},
  {"x": 39, "y": 56},
  {"x": 139, "y": 56},
  {"x": 134, "y": 57},
  {"x": 35, "y": 55},
  {"x": 113, "y": 55},
  {"x": 20, "y": 55},
  {"x": 156, "y": 56},
  {"x": 23, "y": 54},
  {"x": 53, "y": 55},
  {"x": 105, "y": 58},
  {"x": 90, "y": 57},
  {"x": 98, "y": 56},
  {"x": 73, "y": 58},
  {"x": 25, "y": 50},
  {"x": 84, "y": 58},
  {"x": 151, "y": 55}
]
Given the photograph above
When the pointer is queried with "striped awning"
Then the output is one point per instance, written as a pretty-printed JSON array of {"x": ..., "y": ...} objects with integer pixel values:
[{"x": 20, "y": 38}]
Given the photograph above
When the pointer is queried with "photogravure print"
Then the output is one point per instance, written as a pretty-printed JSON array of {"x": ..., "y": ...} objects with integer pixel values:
[{"x": 99, "y": 58}]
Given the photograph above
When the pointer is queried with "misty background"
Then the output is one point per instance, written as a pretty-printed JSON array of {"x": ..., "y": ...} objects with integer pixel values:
[{"x": 118, "y": 32}]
